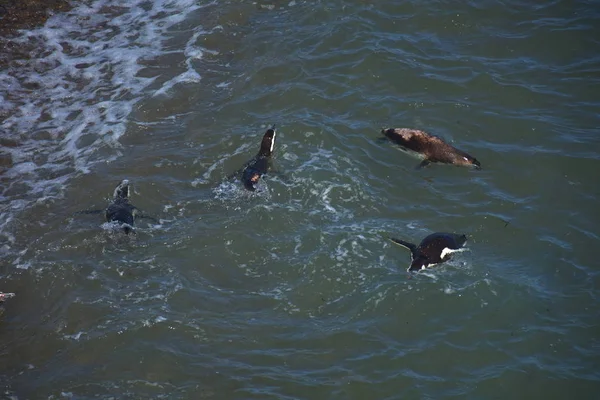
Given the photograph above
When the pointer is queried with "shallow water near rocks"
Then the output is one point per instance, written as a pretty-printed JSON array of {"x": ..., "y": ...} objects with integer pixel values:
[{"x": 294, "y": 291}]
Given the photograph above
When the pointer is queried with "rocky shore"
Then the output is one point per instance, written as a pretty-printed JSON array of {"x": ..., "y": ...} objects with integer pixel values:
[{"x": 27, "y": 14}]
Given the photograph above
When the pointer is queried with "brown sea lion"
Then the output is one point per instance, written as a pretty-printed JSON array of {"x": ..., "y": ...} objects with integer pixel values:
[{"x": 429, "y": 148}]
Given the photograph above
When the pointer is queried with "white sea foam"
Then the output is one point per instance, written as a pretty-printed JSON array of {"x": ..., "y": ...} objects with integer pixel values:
[
  {"x": 192, "y": 52},
  {"x": 73, "y": 91}
]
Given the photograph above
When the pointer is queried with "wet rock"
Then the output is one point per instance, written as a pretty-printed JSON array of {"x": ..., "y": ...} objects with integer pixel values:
[{"x": 27, "y": 14}]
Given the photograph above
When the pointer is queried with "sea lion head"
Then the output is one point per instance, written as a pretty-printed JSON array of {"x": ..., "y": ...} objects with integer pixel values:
[{"x": 467, "y": 160}]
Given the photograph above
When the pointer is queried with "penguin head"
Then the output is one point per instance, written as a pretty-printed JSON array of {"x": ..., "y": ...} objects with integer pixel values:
[
  {"x": 268, "y": 142},
  {"x": 122, "y": 190}
]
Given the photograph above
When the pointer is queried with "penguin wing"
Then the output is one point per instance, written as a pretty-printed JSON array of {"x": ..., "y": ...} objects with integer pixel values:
[
  {"x": 281, "y": 175},
  {"x": 89, "y": 212},
  {"x": 139, "y": 214},
  {"x": 408, "y": 245},
  {"x": 235, "y": 174},
  {"x": 240, "y": 171}
]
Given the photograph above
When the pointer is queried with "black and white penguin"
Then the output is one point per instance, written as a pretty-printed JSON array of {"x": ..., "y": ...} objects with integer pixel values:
[
  {"x": 434, "y": 249},
  {"x": 429, "y": 148},
  {"x": 261, "y": 163},
  {"x": 121, "y": 210}
]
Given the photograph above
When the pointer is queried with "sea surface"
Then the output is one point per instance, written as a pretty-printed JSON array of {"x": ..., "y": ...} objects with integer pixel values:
[{"x": 294, "y": 291}]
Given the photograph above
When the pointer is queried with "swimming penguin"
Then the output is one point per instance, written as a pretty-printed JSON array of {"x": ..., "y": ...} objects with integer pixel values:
[
  {"x": 429, "y": 148},
  {"x": 434, "y": 249},
  {"x": 261, "y": 163},
  {"x": 121, "y": 210},
  {"x": 5, "y": 296}
]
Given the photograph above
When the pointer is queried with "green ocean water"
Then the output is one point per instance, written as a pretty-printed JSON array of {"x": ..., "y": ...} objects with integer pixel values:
[{"x": 294, "y": 292}]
